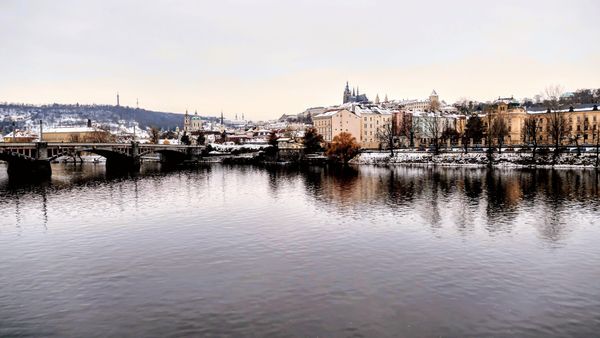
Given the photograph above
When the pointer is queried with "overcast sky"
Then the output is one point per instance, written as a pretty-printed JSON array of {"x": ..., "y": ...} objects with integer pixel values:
[{"x": 266, "y": 58}]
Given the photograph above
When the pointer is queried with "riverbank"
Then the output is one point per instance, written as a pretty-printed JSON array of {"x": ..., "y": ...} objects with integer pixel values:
[{"x": 585, "y": 160}]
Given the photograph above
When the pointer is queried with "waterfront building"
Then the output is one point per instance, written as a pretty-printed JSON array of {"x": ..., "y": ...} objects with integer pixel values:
[
  {"x": 374, "y": 120},
  {"x": 76, "y": 134},
  {"x": 582, "y": 122},
  {"x": 335, "y": 121},
  {"x": 582, "y": 127}
]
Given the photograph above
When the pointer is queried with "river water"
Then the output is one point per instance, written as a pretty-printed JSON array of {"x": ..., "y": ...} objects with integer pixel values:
[{"x": 245, "y": 251}]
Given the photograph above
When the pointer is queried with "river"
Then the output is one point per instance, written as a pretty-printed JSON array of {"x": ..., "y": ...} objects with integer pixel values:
[{"x": 245, "y": 251}]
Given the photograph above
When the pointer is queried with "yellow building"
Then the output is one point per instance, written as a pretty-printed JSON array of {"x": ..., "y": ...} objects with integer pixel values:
[
  {"x": 76, "y": 135},
  {"x": 372, "y": 122},
  {"x": 333, "y": 122},
  {"x": 582, "y": 123},
  {"x": 20, "y": 136}
]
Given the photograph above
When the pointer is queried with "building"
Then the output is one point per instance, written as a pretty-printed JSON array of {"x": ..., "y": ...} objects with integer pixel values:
[
  {"x": 422, "y": 105},
  {"x": 364, "y": 122},
  {"x": 76, "y": 134},
  {"x": 582, "y": 124},
  {"x": 373, "y": 122},
  {"x": 354, "y": 96},
  {"x": 20, "y": 136},
  {"x": 192, "y": 122},
  {"x": 333, "y": 122}
]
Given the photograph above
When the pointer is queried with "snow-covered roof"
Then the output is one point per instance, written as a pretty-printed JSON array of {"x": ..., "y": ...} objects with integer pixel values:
[
  {"x": 329, "y": 113},
  {"x": 21, "y": 133},
  {"x": 566, "y": 110},
  {"x": 71, "y": 130}
]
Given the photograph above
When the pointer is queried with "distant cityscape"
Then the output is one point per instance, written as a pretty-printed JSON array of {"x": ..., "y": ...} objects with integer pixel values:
[{"x": 554, "y": 117}]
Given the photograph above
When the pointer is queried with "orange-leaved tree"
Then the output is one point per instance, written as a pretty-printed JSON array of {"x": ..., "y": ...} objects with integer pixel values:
[{"x": 343, "y": 147}]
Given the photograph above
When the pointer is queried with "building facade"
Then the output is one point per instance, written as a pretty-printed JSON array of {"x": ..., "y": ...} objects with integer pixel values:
[
  {"x": 331, "y": 123},
  {"x": 192, "y": 123}
]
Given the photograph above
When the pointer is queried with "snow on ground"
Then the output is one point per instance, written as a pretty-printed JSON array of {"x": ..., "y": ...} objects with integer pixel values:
[
  {"x": 506, "y": 159},
  {"x": 229, "y": 148}
]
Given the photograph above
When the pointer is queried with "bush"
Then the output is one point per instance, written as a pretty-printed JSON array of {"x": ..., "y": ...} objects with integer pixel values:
[{"x": 343, "y": 148}]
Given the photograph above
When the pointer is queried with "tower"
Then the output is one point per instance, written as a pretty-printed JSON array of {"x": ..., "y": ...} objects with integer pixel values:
[
  {"x": 346, "y": 93},
  {"x": 377, "y": 99},
  {"x": 118, "y": 99},
  {"x": 186, "y": 122},
  {"x": 221, "y": 118},
  {"x": 433, "y": 97}
]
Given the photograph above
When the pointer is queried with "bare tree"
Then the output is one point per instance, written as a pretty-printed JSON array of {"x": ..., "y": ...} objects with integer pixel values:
[
  {"x": 385, "y": 136},
  {"x": 531, "y": 132},
  {"x": 154, "y": 135},
  {"x": 557, "y": 120},
  {"x": 404, "y": 127},
  {"x": 499, "y": 130},
  {"x": 430, "y": 127},
  {"x": 434, "y": 106}
]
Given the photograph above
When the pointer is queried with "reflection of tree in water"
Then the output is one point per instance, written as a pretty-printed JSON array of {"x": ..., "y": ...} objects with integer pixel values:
[
  {"x": 339, "y": 186},
  {"x": 554, "y": 227},
  {"x": 503, "y": 197},
  {"x": 473, "y": 187},
  {"x": 279, "y": 177}
]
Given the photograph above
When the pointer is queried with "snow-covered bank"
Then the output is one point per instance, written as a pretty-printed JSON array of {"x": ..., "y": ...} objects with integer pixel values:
[{"x": 474, "y": 159}]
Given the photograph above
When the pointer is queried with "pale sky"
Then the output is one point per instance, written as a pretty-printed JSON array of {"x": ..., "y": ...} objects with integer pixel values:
[{"x": 266, "y": 58}]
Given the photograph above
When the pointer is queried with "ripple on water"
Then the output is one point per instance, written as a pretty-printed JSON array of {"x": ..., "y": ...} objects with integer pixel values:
[{"x": 227, "y": 250}]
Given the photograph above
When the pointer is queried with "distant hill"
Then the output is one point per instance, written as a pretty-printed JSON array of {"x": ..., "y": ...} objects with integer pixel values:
[{"x": 24, "y": 115}]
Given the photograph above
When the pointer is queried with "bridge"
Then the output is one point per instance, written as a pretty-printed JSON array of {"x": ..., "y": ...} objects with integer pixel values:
[{"x": 33, "y": 159}]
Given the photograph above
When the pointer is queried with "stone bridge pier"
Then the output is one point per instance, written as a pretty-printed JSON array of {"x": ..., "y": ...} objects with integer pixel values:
[{"x": 35, "y": 166}]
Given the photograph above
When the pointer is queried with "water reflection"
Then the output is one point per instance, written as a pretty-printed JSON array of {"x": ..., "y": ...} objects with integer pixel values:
[
  {"x": 444, "y": 196},
  {"x": 368, "y": 251}
]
